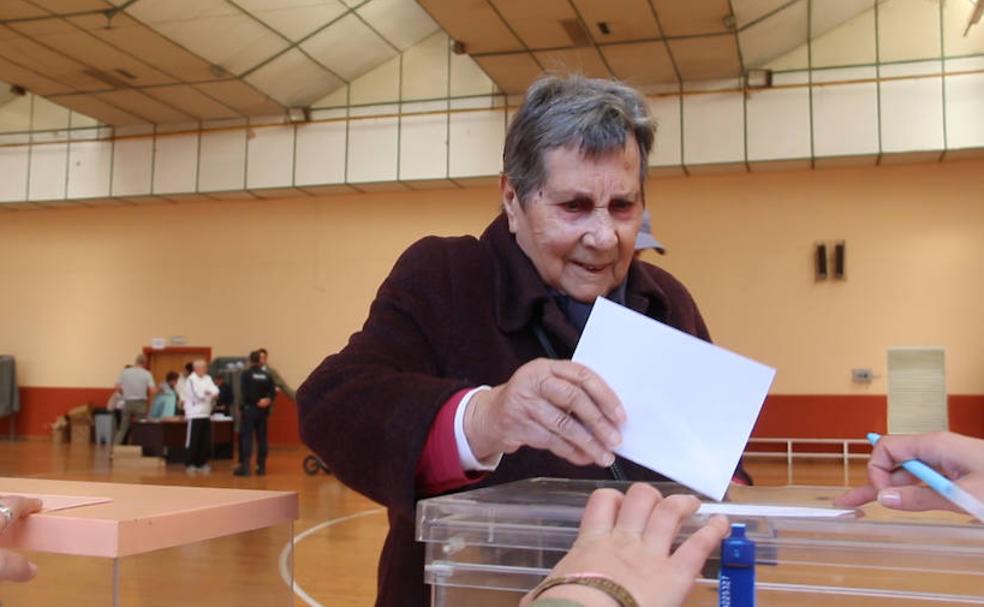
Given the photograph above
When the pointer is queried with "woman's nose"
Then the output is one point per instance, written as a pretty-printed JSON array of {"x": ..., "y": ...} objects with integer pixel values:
[{"x": 601, "y": 231}]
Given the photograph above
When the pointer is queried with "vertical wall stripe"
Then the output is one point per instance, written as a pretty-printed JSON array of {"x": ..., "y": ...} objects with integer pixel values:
[
  {"x": 743, "y": 85},
  {"x": 293, "y": 156},
  {"x": 878, "y": 84},
  {"x": 447, "y": 119},
  {"x": 943, "y": 79},
  {"x": 809, "y": 79},
  {"x": 153, "y": 159},
  {"x": 399, "y": 117},
  {"x": 348, "y": 125},
  {"x": 30, "y": 151},
  {"x": 68, "y": 157},
  {"x": 112, "y": 160},
  {"x": 198, "y": 155},
  {"x": 246, "y": 133}
]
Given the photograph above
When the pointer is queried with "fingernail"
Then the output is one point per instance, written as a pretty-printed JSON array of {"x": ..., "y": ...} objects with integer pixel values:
[
  {"x": 608, "y": 459},
  {"x": 890, "y": 498},
  {"x": 33, "y": 569}
]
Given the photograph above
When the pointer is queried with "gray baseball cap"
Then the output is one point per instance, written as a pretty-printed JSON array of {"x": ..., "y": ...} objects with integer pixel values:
[{"x": 645, "y": 239}]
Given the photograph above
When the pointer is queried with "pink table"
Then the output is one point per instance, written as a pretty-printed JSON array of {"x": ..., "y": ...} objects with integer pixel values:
[{"x": 141, "y": 518}]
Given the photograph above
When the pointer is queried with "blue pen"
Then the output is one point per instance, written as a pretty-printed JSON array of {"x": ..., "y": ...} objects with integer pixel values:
[
  {"x": 736, "y": 581},
  {"x": 940, "y": 484}
]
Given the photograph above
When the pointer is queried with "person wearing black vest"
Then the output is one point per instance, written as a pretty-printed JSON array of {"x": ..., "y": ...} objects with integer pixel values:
[{"x": 258, "y": 392}]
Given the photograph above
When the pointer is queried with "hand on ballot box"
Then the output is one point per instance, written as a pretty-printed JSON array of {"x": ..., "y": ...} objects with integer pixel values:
[
  {"x": 624, "y": 548},
  {"x": 13, "y": 566}
]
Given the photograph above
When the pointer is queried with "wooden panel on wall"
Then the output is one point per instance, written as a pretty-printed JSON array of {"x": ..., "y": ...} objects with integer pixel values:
[
  {"x": 14, "y": 160},
  {"x": 912, "y": 110},
  {"x": 270, "y": 156},
  {"x": 49, "y": 165},
  {"x": 845, "y": 116},
  {"x": 175, "y": 163},
  {"x": 778, "y": 124},
  {"x": 222, "y": 164},
  {"x": 89, "y": 167},
  {"x": 372, "y": 150},
  {"x": 321, "y": 153},
  {"x": 713, "y": 128},
  {"x": 424, "y": 142}
]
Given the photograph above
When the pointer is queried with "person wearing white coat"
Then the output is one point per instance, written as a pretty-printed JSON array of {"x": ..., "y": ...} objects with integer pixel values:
[{"x": 199, "y": 393}]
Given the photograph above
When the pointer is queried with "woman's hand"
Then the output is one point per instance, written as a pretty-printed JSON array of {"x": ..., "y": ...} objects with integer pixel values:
[
  {"x": 14, "y": 567},
  {"x": 628, "y": 539},
  {"x": 959, "y": 458},
  {"x": 557, "y": 405}
]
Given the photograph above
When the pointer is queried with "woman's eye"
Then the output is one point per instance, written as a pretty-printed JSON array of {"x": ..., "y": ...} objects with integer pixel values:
[
  {"x": 621, "y": 206},
  {"x": 575, "y": 206}
]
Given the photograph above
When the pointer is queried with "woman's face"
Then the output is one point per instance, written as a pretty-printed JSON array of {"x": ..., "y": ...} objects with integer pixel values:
[{"x": 580, "y": 228}]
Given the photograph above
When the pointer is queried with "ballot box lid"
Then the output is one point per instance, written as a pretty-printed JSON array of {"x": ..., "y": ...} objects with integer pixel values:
[{"x": 509, "y": 536}]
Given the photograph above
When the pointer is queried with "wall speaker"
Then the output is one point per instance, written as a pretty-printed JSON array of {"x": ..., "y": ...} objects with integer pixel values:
[
  {"x": 821, "y": 261},
  {"x": 840, "y": 261}
]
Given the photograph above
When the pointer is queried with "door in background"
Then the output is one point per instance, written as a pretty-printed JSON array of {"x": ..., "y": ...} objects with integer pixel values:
[{"x": 159, "y": 362}]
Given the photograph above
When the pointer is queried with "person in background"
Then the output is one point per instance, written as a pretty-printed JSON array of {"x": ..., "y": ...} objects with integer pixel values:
[
  {"x": 179, "y": 388},
  {"x": 623, "y": 549},
  {"x": 959, "y": 458},
  {"x": 115, "y": 402},
  {"x": 645, "y": 239},
  {"x": 258, "y": 392},
  {"x": 223, "y": 404},
  {"x": 13, "y": 566},
  {"x": 278, "y": 381},
  {"x": 200, "y": 391},
  {"x": 166, "y": 401},
  {"x": 135, "y": 384}
]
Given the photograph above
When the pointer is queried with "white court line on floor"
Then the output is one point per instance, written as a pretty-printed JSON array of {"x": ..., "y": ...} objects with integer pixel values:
[{"x": 285, "y": 553}]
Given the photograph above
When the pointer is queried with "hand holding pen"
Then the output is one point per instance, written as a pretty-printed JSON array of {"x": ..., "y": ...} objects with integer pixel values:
[{"x": 892, "y": 474}]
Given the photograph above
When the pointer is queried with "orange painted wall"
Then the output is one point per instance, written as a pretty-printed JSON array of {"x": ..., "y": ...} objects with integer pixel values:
[{"x": 93, "y": 286}]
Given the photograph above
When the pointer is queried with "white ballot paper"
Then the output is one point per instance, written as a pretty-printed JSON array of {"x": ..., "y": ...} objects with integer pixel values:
[{"x": 690, "y": 405}]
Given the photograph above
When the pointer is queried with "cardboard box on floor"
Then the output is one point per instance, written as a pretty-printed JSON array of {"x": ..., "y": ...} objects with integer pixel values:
[
  {"x": 80, "y": 423},
  {"x": 59, "y": 430},
  {"x": 81, "y": 433}
]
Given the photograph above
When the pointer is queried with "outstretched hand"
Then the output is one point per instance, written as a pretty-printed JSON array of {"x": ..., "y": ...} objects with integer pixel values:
[
  {"x": 629, "y": 539},
  {"x": 13, "y": 566},
  {"x": 959, "y": 458}
]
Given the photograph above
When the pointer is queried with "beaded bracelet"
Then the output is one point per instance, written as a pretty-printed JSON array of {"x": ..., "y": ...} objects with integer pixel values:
[{"x": 597, "y": 581}]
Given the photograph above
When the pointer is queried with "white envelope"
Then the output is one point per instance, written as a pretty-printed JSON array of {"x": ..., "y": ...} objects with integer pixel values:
[{"x": 690, "y": 405}]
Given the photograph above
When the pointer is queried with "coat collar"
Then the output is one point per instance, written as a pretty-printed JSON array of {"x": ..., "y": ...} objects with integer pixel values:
[{"x": 521, "y": 295}]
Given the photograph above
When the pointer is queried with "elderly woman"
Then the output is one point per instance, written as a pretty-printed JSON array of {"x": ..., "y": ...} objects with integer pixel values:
[{"x": 461, "y": 375}]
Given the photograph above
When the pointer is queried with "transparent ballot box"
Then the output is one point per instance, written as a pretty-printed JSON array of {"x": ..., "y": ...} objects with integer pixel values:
[
  {"x": 152, "y": 546},
  {"x": 488, "y": 547}
]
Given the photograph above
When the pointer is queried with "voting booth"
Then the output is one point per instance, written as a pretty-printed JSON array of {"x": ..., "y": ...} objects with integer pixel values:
[
  {"x": 128, "y": 545},
  {"x": 488, "y": 547}
]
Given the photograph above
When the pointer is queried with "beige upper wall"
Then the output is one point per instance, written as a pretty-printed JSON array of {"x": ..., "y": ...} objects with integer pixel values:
[{"x": 86, "y": 288}]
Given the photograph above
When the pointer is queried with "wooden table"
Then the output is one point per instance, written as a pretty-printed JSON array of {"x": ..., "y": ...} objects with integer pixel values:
[
  {"x": 166, "y": 438},
  {"x": 142, "y": 519}
]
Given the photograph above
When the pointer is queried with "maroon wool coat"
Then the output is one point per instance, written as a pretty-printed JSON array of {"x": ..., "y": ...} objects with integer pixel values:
[{"x": 453, "y": 313}]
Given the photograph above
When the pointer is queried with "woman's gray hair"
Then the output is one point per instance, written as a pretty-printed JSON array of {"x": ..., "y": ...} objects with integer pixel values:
[{"x": 590, "y": 114}]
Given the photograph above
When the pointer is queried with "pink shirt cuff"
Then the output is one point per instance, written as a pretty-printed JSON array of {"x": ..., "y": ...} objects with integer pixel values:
[{"x": 439, "y": 468}]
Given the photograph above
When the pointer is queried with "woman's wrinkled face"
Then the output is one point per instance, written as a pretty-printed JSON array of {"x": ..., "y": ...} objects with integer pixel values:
[{"x": 580, "y": 228}]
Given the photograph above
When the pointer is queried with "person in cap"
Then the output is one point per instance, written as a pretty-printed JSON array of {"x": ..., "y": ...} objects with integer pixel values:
[
  {"x": 461, "y": 375},
  {"x": 645, "y": 239}
]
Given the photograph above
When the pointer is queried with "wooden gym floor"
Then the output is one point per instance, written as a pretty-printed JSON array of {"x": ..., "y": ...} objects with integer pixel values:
[{"x": 339, "y": 531}]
